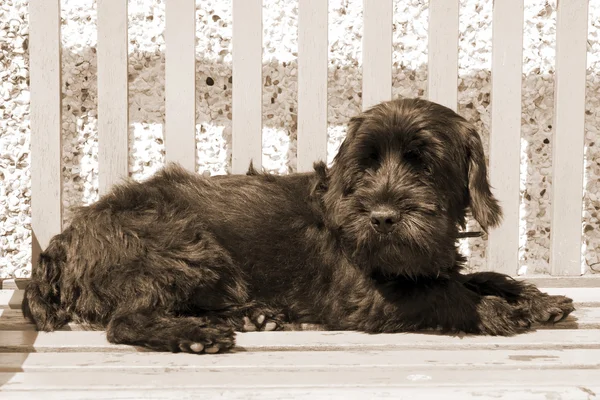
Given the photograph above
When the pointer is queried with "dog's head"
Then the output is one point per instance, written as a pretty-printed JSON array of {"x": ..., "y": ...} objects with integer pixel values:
[{"x": 401, "y": 184}]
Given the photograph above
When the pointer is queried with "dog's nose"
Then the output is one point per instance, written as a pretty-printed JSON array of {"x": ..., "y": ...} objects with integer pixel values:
[{"x": 383, "y": 220}]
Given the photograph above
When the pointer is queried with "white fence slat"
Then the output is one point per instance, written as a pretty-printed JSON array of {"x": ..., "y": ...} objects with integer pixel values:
[
  {"x": 312, "y": 83},
  {"x": 568, "y": 140},
  {"x": 180, "y": 83},
  {"x": 505, "y": 139},
  {"x": 247, "y": 85},
  {"x": 112, "y": 93},
  {"x": 443, "y": 52},
  {"x": 45, "y": 114},
  {"x": 377, "y": 52}
]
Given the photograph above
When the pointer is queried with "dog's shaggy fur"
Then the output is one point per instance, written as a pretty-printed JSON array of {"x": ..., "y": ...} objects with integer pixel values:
[{"x": 179, "y": 262}]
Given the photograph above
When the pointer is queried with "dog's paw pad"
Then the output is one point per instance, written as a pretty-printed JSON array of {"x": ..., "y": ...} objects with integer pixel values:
[
  {"x": 270, "y": 326},
  {"x": 263, "y": 321},
  {"x": 196, "y": 347},
  {"x": 212, "y": 350},
  {"x": 249, "y": 326}
]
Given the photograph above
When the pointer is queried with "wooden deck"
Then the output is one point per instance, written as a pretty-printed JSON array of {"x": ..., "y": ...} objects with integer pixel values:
[{"x": 560, "y": 362}]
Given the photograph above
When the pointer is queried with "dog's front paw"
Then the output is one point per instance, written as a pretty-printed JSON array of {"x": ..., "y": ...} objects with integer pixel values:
[
  {"x": 498, "y": 317},
  {"x": 210, "y": 340},
  {"x": 263, "y": 319},
  {"x": 545, "y": 308}
]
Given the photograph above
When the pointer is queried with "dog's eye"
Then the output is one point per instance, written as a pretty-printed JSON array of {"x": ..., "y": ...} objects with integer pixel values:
[
  {"x": 412, "y": 155},
  {"x": 374, "y": 156}
]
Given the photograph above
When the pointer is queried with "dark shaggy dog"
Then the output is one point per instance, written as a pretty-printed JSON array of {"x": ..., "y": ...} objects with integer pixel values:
[{"x": 177, "y": 263}]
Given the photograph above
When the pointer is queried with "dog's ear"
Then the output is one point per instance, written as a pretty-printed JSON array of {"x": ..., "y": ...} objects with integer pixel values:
[
  {"x": 483, "y": 204},
  {"x": 343, "y": 170}
]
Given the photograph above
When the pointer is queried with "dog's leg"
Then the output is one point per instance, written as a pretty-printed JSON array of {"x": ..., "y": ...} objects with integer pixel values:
[
  {"x": 541, "y": 306},
  {"x": 358, "y": 303},
  {"x": 165, "y": 332},
  {"x": 252, "y": 317}
]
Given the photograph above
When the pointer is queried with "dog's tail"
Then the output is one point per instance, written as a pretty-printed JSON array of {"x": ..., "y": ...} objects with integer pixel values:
[{"x": 42, "y": 300}]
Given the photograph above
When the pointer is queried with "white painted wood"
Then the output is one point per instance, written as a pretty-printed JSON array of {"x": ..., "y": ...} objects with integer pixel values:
[
  {"x": 312, "y": 83},
  {"x": 568, "y": 138},
  {"x": 11, "y": 298},
  {"x": 294, "y": 378},
  {"x": 247, "y": 85},
  {"x": 581, "y": 318},
  {"x": 113, "y": 107},
  {"x": 505, "y": 138},
  {"x": 377, "y": 52},
  {"x": 45, "y": 114},
  {"x": 443, "y": 52},
  {"x": 438, "y": 359},
  {"x": 518, "y": 390},
  {"x": 548, "y": 281},
  {"x": 547, "y": 339},
  {"x": 180, "y": 83}
]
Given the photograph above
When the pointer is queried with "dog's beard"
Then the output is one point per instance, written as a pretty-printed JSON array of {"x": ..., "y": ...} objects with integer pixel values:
[{"x": 419, "y": 236}]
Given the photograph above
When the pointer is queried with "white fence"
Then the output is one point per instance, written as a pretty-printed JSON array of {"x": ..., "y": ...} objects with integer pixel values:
[{"x": 502, "y": 248}]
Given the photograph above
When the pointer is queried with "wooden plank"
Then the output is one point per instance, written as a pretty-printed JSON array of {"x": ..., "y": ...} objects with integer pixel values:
[
  {"x": 568, "y": 137},
  {"x": 547, "y": 281},
  {"x": 113, "y": 123},
  {"x": 523, "y": 392},
  {"x": 438, "y": 359},
  {"x": 505, "y": 139},
  {"x": 581, "y": 318},
  {"x": 247, "y": 85},
  {"x": 443, "y": 52},
  {"x": 45, "y": 114},
  {"x": 293, "y": 378},
  {"x": 312, "y": 83},
  {"x": 11, "y": 298},
  {"x": 377, "y": 52},
  {"x": 180, "y": 83},
  {"x": 546, "y": 339}
]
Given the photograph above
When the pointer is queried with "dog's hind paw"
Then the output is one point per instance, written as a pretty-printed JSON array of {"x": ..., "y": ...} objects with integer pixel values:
[{"x": 550, "y": 309}]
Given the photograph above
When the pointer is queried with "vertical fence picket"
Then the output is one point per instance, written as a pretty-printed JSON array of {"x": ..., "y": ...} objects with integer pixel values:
[
  {"x": 45, "y": 114},
  {"x": 377, "y": 52},
  {"x": 113, "y": 107},
  {"x": 180, "y": 83},
  {"x": 568, "y": 140},
  {"x": 247, "y": 85},
  {"x": 505, "y": 139},
  {"x": 312, "y": 83},
  {"x": 443, "y": 52}
]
